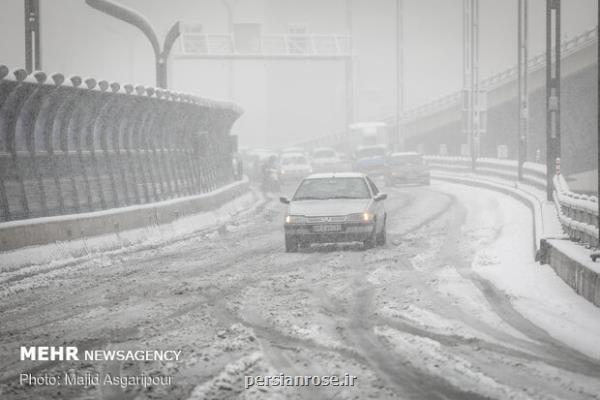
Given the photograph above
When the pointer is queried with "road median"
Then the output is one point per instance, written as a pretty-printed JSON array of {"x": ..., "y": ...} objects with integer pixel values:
[{"x": 116, "y": 222}]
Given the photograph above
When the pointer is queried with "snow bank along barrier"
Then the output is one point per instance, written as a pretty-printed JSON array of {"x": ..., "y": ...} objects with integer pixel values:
[
  {"x": 533, "y": 174},
  {"x": 577, "y": 213},
  {"x": 77, "y": 145},
  {"x": 44, "y": 230}
]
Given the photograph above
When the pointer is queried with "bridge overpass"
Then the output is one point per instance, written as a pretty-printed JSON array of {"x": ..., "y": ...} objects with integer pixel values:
[{"x": 430, "y": 125}]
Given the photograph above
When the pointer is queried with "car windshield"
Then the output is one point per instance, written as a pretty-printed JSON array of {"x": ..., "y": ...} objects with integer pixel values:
[
  {"x": 370, "y": 152},
  {"x": 332, "y": 188},
  {"x": 407, "y": 159},
  {"x": 293, "y": 160},
  {"x": 326, "y": 153}
]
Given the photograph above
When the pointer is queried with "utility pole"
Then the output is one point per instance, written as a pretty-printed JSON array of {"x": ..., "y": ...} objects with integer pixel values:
[
  {"x": 349, "y": 119},
  {"x": 553, "y": 150},
  {"x": 523, "y": 98},
  {"x": 472, "y": 99},
  {"x": 596, "y": 254},
  {"x": 400, "y": 139},
  {"x": 230, "y": 7},
  {"x": 598, "y": 105},
  {"x": 33, "y": 60},
  {"x": 139, "y": 21}
]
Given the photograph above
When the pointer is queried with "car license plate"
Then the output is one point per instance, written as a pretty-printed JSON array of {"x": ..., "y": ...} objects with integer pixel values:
[{"x": 327, "y": 228}]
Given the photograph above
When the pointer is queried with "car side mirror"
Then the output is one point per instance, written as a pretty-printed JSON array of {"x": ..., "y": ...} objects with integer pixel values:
[
  {"x": 381, "y": 196},
  {"x": 284, "y": 200}
]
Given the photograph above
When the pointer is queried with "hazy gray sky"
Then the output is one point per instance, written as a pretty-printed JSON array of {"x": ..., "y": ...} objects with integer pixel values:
[{"x": 432, "y": 38}]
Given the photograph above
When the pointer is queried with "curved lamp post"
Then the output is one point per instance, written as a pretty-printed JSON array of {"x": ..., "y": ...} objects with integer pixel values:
[{"x": 134, "y": 18}]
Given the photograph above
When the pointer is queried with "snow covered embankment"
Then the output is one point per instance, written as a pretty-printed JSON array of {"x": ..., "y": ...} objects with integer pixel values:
[
  {"x": 504, "y": 258},
  {"x": 30, "y": 259}
]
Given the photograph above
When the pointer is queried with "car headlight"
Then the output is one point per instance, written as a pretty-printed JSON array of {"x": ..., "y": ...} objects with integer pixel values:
[
  {"x": 360, "y": 217},
  {"x": 295, "y": 219}
]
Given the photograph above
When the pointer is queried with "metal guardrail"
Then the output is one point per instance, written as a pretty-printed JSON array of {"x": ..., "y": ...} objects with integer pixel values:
[
  {"x": 76, "y": 145},
  {"x": 533, "y": 174},
  {"x": 578, "y": 213}
]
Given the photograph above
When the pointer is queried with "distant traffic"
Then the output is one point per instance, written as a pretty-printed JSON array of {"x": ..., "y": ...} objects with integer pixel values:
[{"x": 333, "y": 195}]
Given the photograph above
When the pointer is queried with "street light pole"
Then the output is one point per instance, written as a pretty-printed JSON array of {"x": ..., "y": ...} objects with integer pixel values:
[
  {"x": 472, "y": 97},
  {"x": 349, "y": 75},
  {"x": 552, "y": 91},
  {"x": 230, "y": 7},
  {"x": 33, "y": 59},
  {"x": 132, "y": 17},
  {"x": 596, "y": 255},
  {"x": 598, "y": 105},
  {"x": 523, "y": 97},
  {"x": 399, "y": 72}
]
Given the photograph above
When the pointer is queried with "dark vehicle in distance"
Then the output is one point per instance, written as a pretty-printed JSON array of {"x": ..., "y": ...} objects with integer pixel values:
[
  {"x": 407, "y": 167},
  {"x": 370, "y": 160},
  {"x": 335, "y": 207}
]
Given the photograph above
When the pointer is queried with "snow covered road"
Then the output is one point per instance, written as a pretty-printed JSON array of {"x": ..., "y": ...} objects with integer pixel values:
[{"x": 453, "y": 307}]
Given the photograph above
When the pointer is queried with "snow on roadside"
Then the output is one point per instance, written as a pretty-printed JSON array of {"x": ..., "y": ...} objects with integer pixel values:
[
  {"x": 534, "y": 290},
  {"x": 36, "y": 259},
  {"x": 467, "y": 296},
  {"x": 429, "y": 356},
  {"x": 432, "y": 322}
]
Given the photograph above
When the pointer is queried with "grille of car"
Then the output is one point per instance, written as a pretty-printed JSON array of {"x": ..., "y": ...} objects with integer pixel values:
[{"x": 334, "y": 219}]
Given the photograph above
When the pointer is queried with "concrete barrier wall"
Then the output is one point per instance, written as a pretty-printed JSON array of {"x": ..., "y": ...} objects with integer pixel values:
[
  {"x": 579, "y": 272},
  {"x": 39, "y": 231},
  {"x": 78, "y": 145}
]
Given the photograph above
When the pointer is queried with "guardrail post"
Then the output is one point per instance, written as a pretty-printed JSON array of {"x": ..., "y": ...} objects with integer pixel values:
[
  {"x": 553, "y": 47},
  {"x": 67, "y": 140},
  {"x": 4, "y": 91},
  {"x": 141, "y": 124},
  {"x": 101, "y": 128},
  {"x": 85, "y": 110},
  {"x": 159, "y": 137},
  {"x": 10, "y": 113},
  {"x": 195, "y": 126},
  {"x": 27, "y": 120},
  {"x": 151, "y": 158},
  {"x": 182, "y": 147},
  {"x": 129, "y": 106},
  {"x": 116, "y": 139}
]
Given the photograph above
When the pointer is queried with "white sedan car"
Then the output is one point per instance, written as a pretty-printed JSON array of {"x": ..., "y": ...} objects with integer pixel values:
[
  {"x": 335, "y": 207},
  {"x": 293, "y": 167}
]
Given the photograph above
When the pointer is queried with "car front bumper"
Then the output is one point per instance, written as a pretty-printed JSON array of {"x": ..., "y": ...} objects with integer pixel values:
[{"x": 350, "y": 232}]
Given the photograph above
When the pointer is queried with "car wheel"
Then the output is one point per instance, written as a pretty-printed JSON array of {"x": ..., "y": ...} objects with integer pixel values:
[
  {"x": 372, "y": 240},
  {"x": 382, "y": 236},
  {"x": 291, "y": 245}
]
